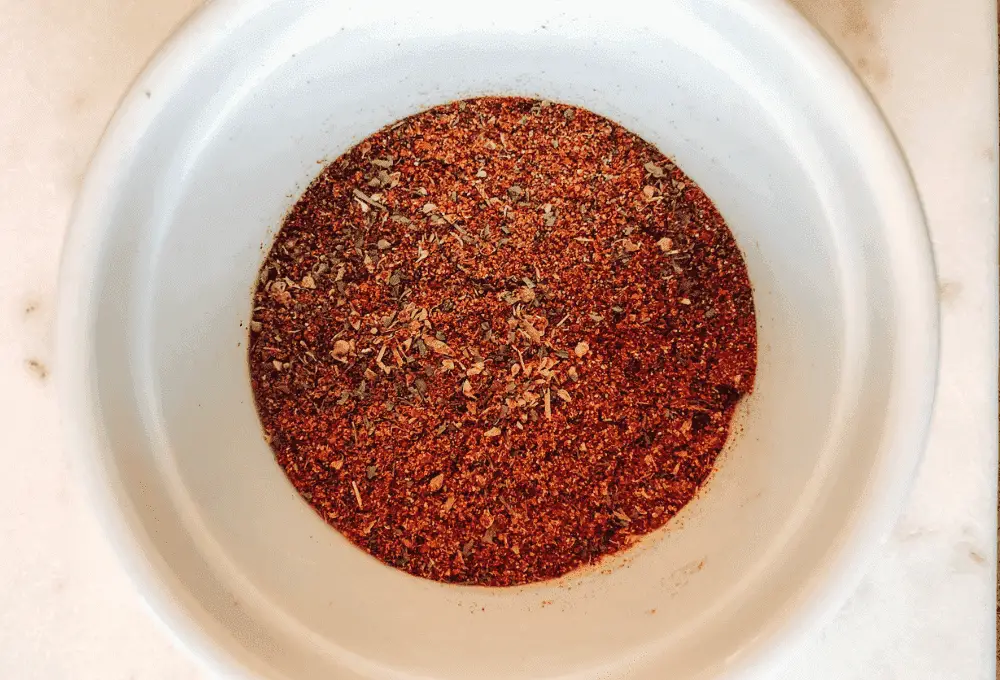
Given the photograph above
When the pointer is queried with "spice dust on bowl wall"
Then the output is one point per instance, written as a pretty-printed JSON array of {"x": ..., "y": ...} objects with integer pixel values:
[{"x": 557, "y": 413}]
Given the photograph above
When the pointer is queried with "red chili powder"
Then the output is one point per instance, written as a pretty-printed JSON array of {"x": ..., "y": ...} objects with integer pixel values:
[{"x": 499, "y": 340}]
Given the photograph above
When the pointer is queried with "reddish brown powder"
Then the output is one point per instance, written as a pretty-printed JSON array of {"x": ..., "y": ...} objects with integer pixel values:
[{"x": 499, "y": 340}]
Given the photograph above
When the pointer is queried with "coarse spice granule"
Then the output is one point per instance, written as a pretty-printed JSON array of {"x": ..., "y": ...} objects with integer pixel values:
[{"x": 499, "y": 340}]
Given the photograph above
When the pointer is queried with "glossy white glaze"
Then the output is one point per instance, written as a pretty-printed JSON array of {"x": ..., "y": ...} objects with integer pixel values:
[{"x": 925, "y": 609}]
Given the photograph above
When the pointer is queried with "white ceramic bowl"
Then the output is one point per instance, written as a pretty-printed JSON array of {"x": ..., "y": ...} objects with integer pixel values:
[{"x": 226, "y": 127}]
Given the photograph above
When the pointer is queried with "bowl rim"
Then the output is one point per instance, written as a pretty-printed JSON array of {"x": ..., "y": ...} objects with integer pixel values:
[{"x": 912, "y": 395}]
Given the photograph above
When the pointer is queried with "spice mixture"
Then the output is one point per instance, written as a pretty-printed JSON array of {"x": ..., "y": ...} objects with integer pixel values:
[{"x": 499, "y": 340}]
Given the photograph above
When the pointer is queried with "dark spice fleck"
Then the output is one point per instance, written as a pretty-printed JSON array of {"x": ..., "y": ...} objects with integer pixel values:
[{"x": 499, "y": 340}]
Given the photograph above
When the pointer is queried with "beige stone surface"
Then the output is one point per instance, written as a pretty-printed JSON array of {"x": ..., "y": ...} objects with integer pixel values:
[
  {"x": 925, "y": 611},
  {"x": 67, "y": 610}
]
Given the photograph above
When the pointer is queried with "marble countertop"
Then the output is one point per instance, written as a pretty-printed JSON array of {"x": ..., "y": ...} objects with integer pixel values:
[{"x": 925, "y": 610}]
